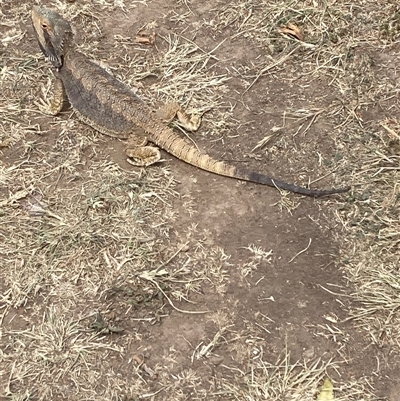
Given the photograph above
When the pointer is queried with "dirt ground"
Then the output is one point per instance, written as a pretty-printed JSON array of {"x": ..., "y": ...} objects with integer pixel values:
[{"x": 170, "y": 283}]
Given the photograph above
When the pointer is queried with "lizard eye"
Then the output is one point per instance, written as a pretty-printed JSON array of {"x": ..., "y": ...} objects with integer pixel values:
[{"x": 44, "y": 26}]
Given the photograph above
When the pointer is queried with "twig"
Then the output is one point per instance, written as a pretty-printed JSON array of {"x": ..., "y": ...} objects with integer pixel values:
[{"x": 302, "y": 251}]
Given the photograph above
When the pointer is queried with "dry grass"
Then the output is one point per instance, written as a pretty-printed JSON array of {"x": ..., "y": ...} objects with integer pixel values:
[
  {"x": 77, "y": 234},
  {"x": 76, "y": 230},
  {"x": 284, "y": 380},
  {"x": 350, "y": 46}
]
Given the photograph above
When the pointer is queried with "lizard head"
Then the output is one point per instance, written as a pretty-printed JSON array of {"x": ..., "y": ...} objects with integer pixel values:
[{"x": 53, "y": 32}]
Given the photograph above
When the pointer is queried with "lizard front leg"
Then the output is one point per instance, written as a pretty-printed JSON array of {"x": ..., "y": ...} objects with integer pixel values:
[
  {"x": 139, "y": 154},
  {"x": 169, "y": 111},
  {"x": 55, "y": 103}
]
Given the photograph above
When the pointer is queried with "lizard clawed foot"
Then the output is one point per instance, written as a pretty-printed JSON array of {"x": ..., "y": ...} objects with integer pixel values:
[
  {"x": 171, "y": 110},
  {"x": 46, "y": 107},
  {"x": 55, "y": 104},
  {"x": 189, "y": 122},
  {"x": 143, "y": 156}
]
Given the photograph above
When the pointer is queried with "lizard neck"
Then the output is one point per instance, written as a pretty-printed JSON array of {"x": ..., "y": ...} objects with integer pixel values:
[{"x": 68, "y": 45}]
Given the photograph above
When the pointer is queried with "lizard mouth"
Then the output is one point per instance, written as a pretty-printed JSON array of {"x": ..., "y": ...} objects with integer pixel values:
[
  {"x": 56, "y": 60},
  {"x": 50, "y": 52}
]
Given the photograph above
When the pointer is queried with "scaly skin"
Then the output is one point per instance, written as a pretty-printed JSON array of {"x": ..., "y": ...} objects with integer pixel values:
[{"x": 110, "y": 107}]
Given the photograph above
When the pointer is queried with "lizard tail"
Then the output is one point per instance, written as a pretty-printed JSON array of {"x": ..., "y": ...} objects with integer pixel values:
[
  {"x": 186, "y": 151},
  {"x": 272, "y": 182}
]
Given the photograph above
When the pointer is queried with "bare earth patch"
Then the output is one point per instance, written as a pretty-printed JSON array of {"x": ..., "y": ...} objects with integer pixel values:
[{"x": 169, "y": 283}]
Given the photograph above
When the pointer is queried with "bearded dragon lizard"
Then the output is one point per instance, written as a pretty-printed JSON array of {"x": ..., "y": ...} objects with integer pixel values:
[{"x": 110, "y": 107}]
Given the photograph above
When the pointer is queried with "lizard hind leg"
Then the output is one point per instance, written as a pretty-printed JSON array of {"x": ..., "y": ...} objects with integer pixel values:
[
  {"x": 169, "y": 111},
  {"x": 139, "y": 153}
]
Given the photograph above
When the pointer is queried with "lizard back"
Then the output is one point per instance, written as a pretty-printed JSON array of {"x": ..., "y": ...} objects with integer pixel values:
[{"x": 93, "y": 94}]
